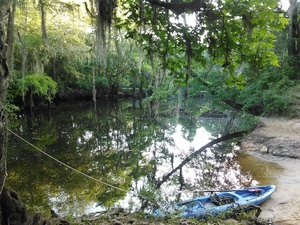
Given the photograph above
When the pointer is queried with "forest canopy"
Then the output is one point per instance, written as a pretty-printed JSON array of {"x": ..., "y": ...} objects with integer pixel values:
[{"x": 101, "y": 48}]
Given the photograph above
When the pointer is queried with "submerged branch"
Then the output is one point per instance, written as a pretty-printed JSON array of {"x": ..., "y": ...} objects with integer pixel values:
[{"x": 194, "y": 154}]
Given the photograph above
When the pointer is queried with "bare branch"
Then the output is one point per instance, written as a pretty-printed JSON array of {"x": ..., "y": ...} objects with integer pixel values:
[{"x": 89, "y": 12}]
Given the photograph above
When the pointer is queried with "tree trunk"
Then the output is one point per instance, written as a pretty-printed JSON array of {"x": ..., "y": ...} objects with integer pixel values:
[
  {"x": 4, "y": 74},
  {"x": 188, "y": 53},
  {"x": 294, "y": 33},
  {"x": 43, "y": 22},
  {"x": 94, "y": 86},
  {"x": 10, "y": 37},
  {"x": 24, "y": 59},
  {"x": 187, "y": 77}
]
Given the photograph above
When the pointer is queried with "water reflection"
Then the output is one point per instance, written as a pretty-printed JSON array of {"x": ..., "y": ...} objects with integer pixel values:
[
  {"x": 118, "y": 144},
  {"x": 261, "y": 170}
]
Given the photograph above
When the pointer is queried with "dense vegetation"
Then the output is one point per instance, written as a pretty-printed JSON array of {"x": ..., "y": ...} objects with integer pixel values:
[{"x": 236, "y": 51}]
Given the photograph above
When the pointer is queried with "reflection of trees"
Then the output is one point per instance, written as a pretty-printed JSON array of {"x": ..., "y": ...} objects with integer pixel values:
[
  {"x": 38, "y": 179},
  {"x": 219, "y": 170},
  {"x": 107, "y": 144},
  {"x": 115, "y": 143},
  {"x": 201, "y": 114},
  {"x": 196, "y": 153},
  {"x": 130, "y": 135},
  {"x": 214, "y": 169}
]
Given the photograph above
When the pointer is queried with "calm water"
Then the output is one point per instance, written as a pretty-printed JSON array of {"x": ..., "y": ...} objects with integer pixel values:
[{"x": 127, "y": 146}]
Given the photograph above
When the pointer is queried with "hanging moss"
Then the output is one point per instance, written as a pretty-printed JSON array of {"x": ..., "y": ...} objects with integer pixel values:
[
  {"x": 105, "y": 15},
  {"x": 106, "y": 9}
]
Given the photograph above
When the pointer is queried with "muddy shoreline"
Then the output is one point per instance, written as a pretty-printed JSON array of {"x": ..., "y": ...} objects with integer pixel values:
[{"x": 277, "y": 140}]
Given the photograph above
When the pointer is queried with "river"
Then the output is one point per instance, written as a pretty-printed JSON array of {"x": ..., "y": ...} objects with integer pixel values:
[{"x": 88, "y": 158}]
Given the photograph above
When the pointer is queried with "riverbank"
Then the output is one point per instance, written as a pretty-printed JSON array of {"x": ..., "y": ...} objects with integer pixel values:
[{"x": 278, "y": 140}]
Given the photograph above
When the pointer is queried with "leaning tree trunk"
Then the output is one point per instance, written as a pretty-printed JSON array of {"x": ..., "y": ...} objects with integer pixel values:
[{"x": 4, "y": 73}]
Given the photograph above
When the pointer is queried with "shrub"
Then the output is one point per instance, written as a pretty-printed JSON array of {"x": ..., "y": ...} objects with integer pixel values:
[{"x": 40, "y": 85}]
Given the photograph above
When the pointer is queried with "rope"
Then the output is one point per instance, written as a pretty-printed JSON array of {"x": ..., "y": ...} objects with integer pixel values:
[{"x": 69, "y": 167}]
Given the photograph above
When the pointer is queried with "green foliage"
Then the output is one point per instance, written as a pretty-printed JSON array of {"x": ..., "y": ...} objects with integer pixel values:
[
  {"x": 166, "y": 89},
  {"x": 231, "y": 32},
  {"x": 87, "y": 83},
  {"x": 259, "y": 94},
  {"x": 157, "y": 50},
  {"x": 65, "y": 55},
  {"x": 293, "y": 95},
  {"x": 38, "y": 84},
  {"x": 263, "y": 95},
  {"x": 236, "y": 81},
  {"x": 11, "y": 109},
  {"x": 290, "y": 67},
  {"x": 101, "y": 82}
]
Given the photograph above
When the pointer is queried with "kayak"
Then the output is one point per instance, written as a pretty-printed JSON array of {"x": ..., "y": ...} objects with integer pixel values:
[{"x": 217, "y": 203}]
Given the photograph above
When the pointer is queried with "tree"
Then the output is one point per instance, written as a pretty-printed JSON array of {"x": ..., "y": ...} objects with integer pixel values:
[
  {"x": 294, "y": 28},
  {"x": 231, "y": 32},
  {"x": 10, "y": 35},
  {"x": 43, "y": 22},
  {"x": 4, "y": 75}
]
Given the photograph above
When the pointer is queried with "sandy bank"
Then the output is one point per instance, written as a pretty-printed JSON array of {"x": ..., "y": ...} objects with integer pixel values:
[{"x": 278, "y": 141}]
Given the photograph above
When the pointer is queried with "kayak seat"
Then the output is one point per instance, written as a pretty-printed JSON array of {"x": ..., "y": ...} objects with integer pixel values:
[{"x": 221, "y": 200}]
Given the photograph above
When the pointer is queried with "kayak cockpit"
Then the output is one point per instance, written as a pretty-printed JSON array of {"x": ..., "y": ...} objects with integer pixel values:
[{"x": 208, "y": 202}]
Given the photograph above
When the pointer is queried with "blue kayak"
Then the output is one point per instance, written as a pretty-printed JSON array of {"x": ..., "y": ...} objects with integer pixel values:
[{"x": 221, "y": 202}]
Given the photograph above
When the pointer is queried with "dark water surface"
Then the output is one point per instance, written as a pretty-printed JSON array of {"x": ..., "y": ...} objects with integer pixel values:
[{"x": 126, "y": 146}]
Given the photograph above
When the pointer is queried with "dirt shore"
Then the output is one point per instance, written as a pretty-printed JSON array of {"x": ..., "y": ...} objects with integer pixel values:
[{"x": 278, "y": 140}]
